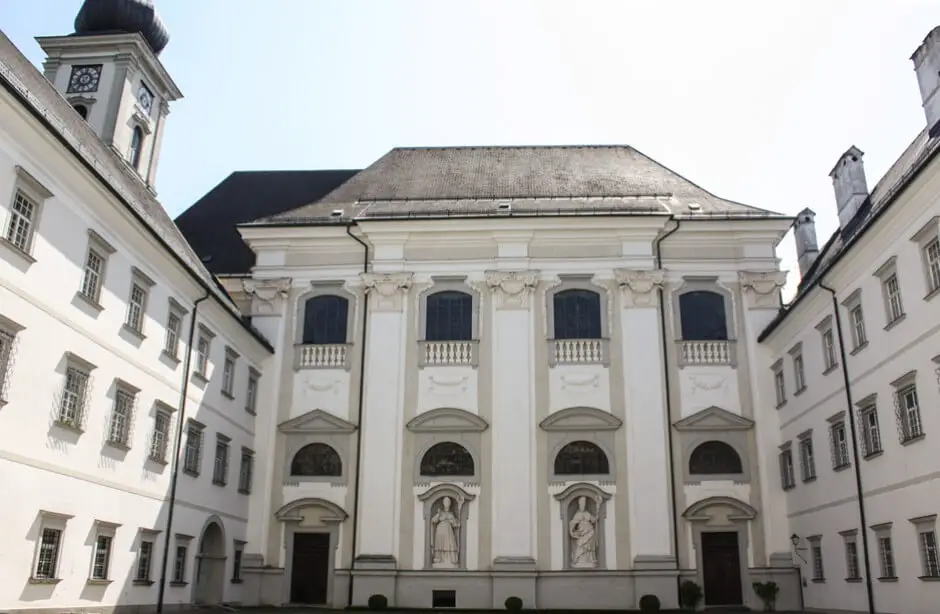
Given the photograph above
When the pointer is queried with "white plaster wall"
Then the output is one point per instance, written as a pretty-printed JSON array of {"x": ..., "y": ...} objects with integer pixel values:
[
  {"x": 448, "y": 387},
  {"x": 579, "y": 385},
  {"x": 326, "y": 389},
  {"x": 703, "y": 387}
]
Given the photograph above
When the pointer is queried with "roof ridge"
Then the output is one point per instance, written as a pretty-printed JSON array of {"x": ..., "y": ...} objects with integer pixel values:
[{"x": 468, "y": 147}]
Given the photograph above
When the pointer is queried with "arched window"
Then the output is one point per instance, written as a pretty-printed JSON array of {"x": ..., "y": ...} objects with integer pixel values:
[
  {"x": 702, "y": 315},
  {"x": 577, "y": 314},
  {"x": 714, "y": 458},
  {"x": 316, "y": 459},
  {"x": 449, "y": 316},
  {"x": 325, "y": 320},
  {"x": 581, "y": 458},
  {"x": 447, "y": 458},
  {"x": 81, "y": 110},
  {"x": 137, "y": 146}
]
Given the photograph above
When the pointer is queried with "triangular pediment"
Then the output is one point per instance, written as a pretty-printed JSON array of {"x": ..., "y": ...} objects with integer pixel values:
[
  {"x": 714, "y": 419},
  {"x": 581, "y": 419},
  {"x": 447, "y": 420},
  {"x": 317, "y": 421}
]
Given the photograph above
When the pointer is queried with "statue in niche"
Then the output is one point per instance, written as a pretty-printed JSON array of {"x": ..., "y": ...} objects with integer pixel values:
[
  {"x": 445, "y": 536},
  {"x": 583, "y": 529}
]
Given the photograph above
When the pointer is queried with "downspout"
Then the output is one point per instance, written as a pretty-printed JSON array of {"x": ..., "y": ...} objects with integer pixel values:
[
  {"x": 362, "y": 384},
  {"x": 860, "y": 494},
  {"x": 667, "y": 390},
  {"x": 174, "y": 474}
]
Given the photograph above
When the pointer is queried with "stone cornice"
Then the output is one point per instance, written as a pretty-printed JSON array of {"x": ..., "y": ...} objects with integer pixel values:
[
  {"x": 512, "y": 289},
  {"x": 761, "y": 288},
  {"x": 387, "y": 289},
  {"x": 640, "y": 286}
]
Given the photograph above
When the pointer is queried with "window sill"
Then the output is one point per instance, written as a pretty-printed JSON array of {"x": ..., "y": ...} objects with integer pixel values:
[
  {"x": 158, "y": 461},
  {"x": 831, "y": 368},
  {"x": 854, "y": 580},
  {"x": 89, "y": 301},
  {"x": 895, "y": 321},
  {"x": 909, "y": 440},
  {"x": 250, "y": 411},
  {"x": 98, "y": 582},
  {"x": 933, "y": 293},
  {"x": 929, "y": 578},
  {"x": 179, "y": 583},
  {"x": 228, "y": 395},
  {"x": 888, "y": 579},
  {"x": 236, "y": 580},
  {"x": 200, "y": 377},
  {"x": 819, "y": 580},
  {"x": 191, "y": 473},
  {"x": 45, "y": 580},
  {"x": 130, "y": 330},
  {"x": 68, "y": 426},
  {"x": 809, "y": 479},
  {"x": 143, "y": 583},
  {"x": 218, "y": 483},
  {"x": 118, "y": 445},
  {"x": 858, "y": 348},
  {"x": 841, "y": 467},
  {"x": 174, "y": 359},
  {"x": 780, "y": 404},
  {"x": 874, "y": 454},
  {"x": 790, "y": 487},
  {"x": 797, "y": 393},
  {"x": 3, "y": 402},
  {"x": 244, "y": 491},
  {"x": 24, "y": 256}
]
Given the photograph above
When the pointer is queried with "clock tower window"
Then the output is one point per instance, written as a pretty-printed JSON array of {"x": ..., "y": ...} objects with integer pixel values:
[
  {"x": 137, "y": 147},
  {"x": 81, "y": 110}
]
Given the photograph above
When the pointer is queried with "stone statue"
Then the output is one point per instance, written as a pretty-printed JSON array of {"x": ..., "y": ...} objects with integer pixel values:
[
  {"x": 445, "y": 537},
  {"x": 582, "y": 527}
]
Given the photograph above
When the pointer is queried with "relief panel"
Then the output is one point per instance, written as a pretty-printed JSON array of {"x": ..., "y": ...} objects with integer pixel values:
[
  {"x": 326, "y": 389},
  {"x": 703, "y": 387},
  {"x": 447, "y": 387},
  {"x": 579, "y": 385}
]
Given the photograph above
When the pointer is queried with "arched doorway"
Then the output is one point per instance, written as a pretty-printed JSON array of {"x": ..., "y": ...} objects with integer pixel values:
[{"x": 210, "y": 564}]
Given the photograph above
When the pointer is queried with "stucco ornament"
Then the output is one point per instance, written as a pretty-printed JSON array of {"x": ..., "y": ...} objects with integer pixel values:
[
  {"x": 268, "y": 296},
  {"x": 512, "y": 288},
  {"x": 387, "y": 289},
  {"x": 761, "y": 288},
  {"x": 640, "y": 286},
  {"x": 445, "y": 535},
  {"x": 583, "y": 530}
]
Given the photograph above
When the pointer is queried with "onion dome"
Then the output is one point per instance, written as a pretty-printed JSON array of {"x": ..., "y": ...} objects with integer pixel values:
[{"x": 129, "y": 16}]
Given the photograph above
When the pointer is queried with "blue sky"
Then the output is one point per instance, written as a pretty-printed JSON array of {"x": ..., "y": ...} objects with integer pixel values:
[{"x": 754, "y": 101}]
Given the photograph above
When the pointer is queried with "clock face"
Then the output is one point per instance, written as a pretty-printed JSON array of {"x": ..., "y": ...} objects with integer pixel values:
[
  {"x": 85, "y": 78},
  {"x": 145, "y": 97}
]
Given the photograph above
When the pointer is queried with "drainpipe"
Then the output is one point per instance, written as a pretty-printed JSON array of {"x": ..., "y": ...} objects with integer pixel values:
[
  {"x": 860, "y": 494},
  {"x": 175, "y": 473},
  {"x": 666, "y": 379},
  {"x": 362, "y": 384}
]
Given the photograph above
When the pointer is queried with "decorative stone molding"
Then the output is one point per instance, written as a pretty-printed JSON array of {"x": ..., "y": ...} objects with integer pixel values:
[
  {"x": 639, "y": 286},
  {"x": 268, "y": 296},
  {"x": 387, "y": 289},
  {"x": 512, "y": 289},
  {"x": 761, "y": 288}
]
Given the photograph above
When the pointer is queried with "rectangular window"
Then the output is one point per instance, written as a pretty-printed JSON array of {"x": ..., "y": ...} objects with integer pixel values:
[
  {"x": 144, "y": 561},
  {"x": 799, "y": 373},
  {"x": 819, "y": 574},
  {"x": 102, "y": 558},
  {"x": 202, "y": 355},
  {"x": 840, "y": 445},
  {"x": 909, "y": 411},
  {"x": 251, "y": 395},
  {"x": 94, "y": 272},
  {"x": 228, "y": 372},
  {"x": 859, "y": 336},
  {"x": 807, "y": 460},
  {"x": 870, "y": 430},
  {"x": 829, "y": 349},
  {"x": 192, "y": 453},
  {"x": 892, "y": 290},
  {"x": 246, "y": 468},
  {"x": 932, "y": 259},
  {"x": 161, "y": 436},
  {"x": 7, "y": 338},
  {"x": 928, "y": 553},
  {"x": 22, "y": 223},
  {"x": 136, "y": 305},
  {"x": 122, "y": 416},
  {"x": 47, "y": 561},
  {"x": 179, "y": 564},
  {"x": 886, "y": 556},
  {"x": 787, "y": 476},
  {"x": 220, "y": 467},
  {"x": 237, "y": 562},
  {"x": 72, "y": 409},
  {"x": 174, "y": 324},
  {"x": 780, "y": 387}
]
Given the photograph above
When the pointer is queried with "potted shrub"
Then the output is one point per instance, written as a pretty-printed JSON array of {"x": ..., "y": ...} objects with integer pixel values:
[
  {"x": 513, "y": 604},
  {"x": 649, "y": 603},
  {"x": 690, "y": 594},
  {"x": 378, "y": 602},
  {"x": 767, "y": 591}
]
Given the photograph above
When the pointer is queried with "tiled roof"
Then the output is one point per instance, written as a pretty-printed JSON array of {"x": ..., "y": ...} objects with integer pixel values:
[
  {"x": 210, "y": 224},
  {"x": 467, "y": 180}
]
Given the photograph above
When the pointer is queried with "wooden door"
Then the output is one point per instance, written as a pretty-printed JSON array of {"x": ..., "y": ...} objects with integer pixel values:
[
  {"x": 310, "y": 568},
  {"x": 721, "y": 568}
]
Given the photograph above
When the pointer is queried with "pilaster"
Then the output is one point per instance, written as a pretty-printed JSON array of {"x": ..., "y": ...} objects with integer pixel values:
[
  {"x": 513, "y": 420},
  {"x": 761, "y": 293},
  {"x": 646, "y": 424},
  {"x": 382, "y": 419}
]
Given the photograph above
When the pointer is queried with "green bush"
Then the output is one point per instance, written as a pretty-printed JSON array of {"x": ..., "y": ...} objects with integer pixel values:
[
  {"x": 649, "y": 603},
  {"x": 513, "y": 604},
  {"x": 690, "y": 593},
  {"x": 378, "y": 602},
  {"x": 767, "y": 591}
]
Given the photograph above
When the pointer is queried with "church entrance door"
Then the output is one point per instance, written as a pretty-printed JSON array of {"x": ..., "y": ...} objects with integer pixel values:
[
  {"x": 310, "y": 568},
  {"x": 721, "y": 568}
]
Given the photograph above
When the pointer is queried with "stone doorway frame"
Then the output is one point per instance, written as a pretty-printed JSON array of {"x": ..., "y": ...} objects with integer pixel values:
[
  {"x": 290, "y": 517},
  {"x": 200, "y": 591}
]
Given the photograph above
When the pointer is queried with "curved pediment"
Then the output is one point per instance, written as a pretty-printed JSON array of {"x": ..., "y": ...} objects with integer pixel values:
[
  {"x": 714, "y": 419},
  {"x": 334, "y": 513},
  {"x": 581, "y": 419},
  {"x": 447, "y": 420},
  {"x": 582, "y": 488},
  {"x": 317, "y": 421},
  {"x": 736, "y": 510},
  {"x": 450, "y": 490}
]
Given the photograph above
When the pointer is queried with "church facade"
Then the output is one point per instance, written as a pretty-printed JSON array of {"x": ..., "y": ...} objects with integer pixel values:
[{"x": 457, "y": 376}]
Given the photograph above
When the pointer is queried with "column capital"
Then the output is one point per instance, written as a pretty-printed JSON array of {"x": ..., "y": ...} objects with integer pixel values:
[
  {"x": 388, "y": 289},
  {"x": 639, "y": 286},
  {"x": 268, "y": 296},
  {"x": 512, "y": 288},
  {"x": 760, "y": 288}
]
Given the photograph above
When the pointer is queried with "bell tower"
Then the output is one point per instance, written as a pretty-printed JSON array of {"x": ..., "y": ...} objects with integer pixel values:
[{"x": 109, "y": 70}]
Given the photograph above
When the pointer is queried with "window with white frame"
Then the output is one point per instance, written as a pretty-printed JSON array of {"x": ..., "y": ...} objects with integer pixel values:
[
  {"x": 829, "y": 349},
  {"x": 807, "y": 458},
  {"x": 815, "y": 546},
  {"x": 192, "y": 452},
  {"x": 228, "y": 372},
  {"x": 251, "y": 394},
  {"x": 885, "y": 551},
  {"x": 787, "y": 475},
  {"x": 887, "y": 273},
  {"x": 839, "y": 442},
  {"x": 238, "y": 551},
  {"x": 856, "y": 320},
  {"x": 799, "y": 373},
  {"x": 907, "y": 407},
  {"x": 180, "y": 559},
  {"x": 159, "y": 443},
  {"x": 203, "y": 351},
  {"x": 245, "y": 471},
  {"x": 8, "y": 337},
  {"x": 143, "y": 570},
  {"x": 932, "y": 262},
  {"x": 73, "y": 406},
  {"x": 49, "y": 546},
  {"x": 928, "y": 240},
  {"x": 26, "y": 203},
  {"x": 220, "y": 466},
  {"x": 122, "y": 415},
  {"x": 780, "y": 386},
  {"x": 101, "y": 552},
  {"x": 927, "y": 544},
  {"x": 174, "y": 329},
  {"x": 852, "y": 572},
  {"x": 137, "y": 301},
  {"x": 871, "y": 432},
  {"x": 96, "y": 260}
]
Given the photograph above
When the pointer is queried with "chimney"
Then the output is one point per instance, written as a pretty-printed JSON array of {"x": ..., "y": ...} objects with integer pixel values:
[
  {"x": 804, "y": 231},
  {"x": 848, "y": 181},
  {"x": 927, "y": 66}
]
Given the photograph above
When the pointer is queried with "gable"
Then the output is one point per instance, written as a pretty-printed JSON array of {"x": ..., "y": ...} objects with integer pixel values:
[
  {"x": 714, "y": 419},
  {"x": 581, "y": 419},
  {"x": 317, "y": 421},
  {"x": 447, "y": 420}
]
